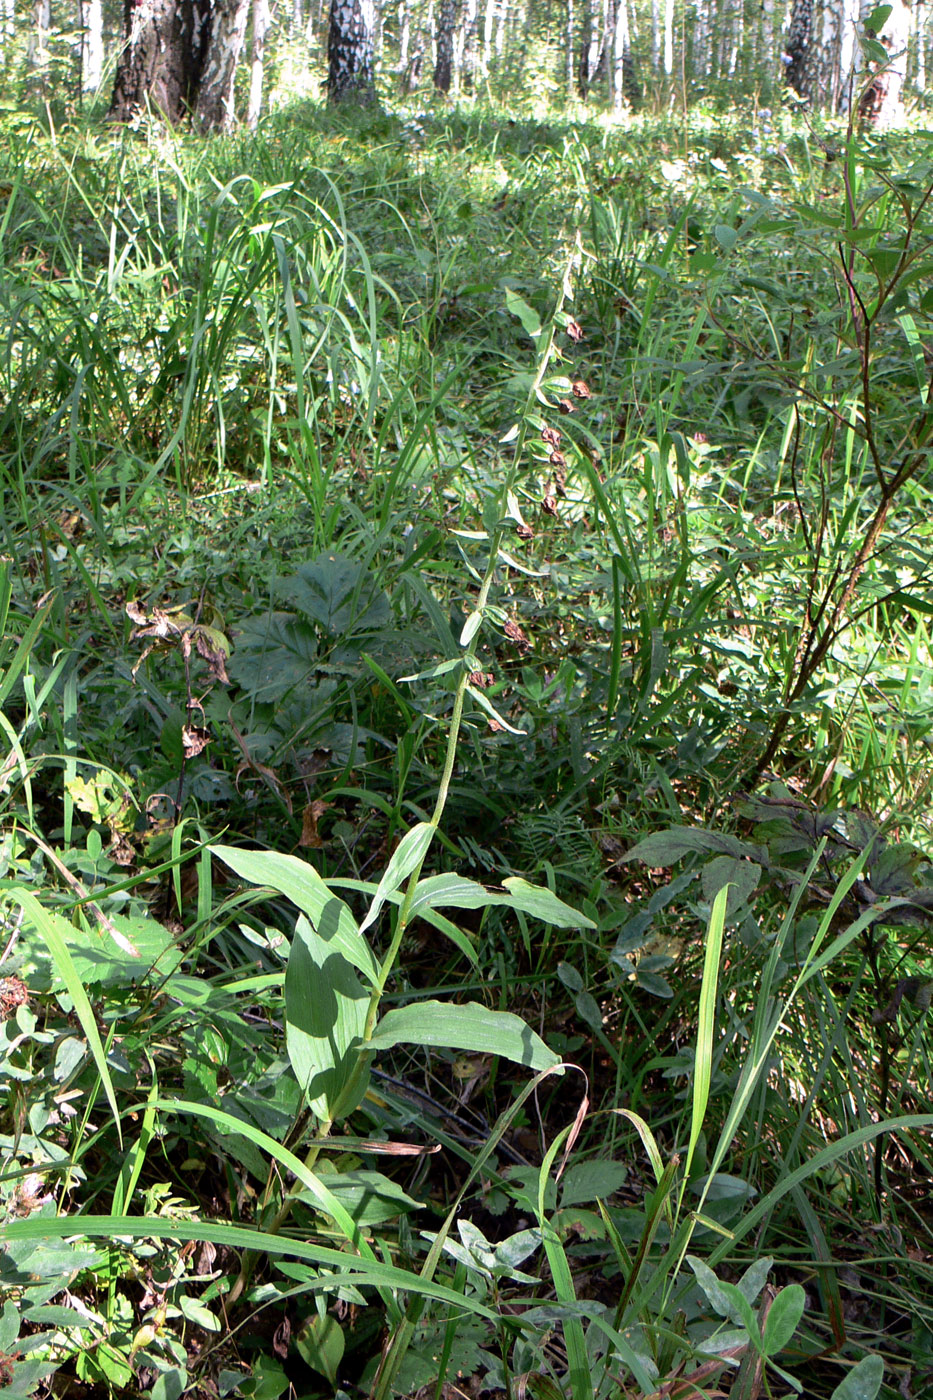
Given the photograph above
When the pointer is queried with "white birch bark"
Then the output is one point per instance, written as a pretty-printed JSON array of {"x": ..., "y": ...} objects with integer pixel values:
[
  {"x": 257, "y": 50},
  {"x": 214, "y": 108},
  {"x": 38, "y": 47},
  {"x": 621, "y": 48},
  {"x": 404, "y": 34},
  {"x": 568, "y": 47},
  {"x": 91, "y": 19}
]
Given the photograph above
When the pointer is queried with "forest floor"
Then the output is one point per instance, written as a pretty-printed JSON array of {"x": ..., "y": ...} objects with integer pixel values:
[{"x": 505, "y": 545}]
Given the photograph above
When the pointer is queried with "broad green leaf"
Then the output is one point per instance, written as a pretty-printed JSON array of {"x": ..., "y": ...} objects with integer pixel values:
[
  {"x": 456, "y": 892},
  {"x": 147, "y": 949},
  {"x": 655, "y": 985},
  {"x": 470, "y": 628},
  {"x": 369, "y": 1197},
  {"x": 56, "y": 931},
  {"x": 541, "y": 903},
  {"x": 469, "y": 1027},
  {"x": 325, "y": 1015},
  {"x": 711, "y": 1286},
  {"x": 586, "y": 1182},
  {"x": 863, "y": 1382},
  {"x": 783, "y": 1319},
  {"x": 171, "y": 1383},
  {"x": 339, "y": 593},
  {"x": 320, "y": 1343},
  {"x": 741, "y": 876},
  {"x": 529, "y": 318},
  {"x": 197, "y": 1313},
  {"x": 878, "y": 18},
  {"x": 666, "y": 847},
  {"x": 300, "y": 882},
  {"x": 408, "y": 855}
]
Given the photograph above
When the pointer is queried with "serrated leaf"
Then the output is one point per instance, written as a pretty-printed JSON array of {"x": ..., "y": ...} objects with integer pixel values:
[
  {"x": 586, "y": 1182},
  {"x": 298, "y": 881},
  {"x": 325, "y": 1016},
  {"x": 467, "y": 1027},
  {"x": 407, "y": 855},
  {"x": 338, "y": 593}
]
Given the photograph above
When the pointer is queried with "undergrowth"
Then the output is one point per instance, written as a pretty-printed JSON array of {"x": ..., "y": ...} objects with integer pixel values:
[{"x": 466, "y": 712}]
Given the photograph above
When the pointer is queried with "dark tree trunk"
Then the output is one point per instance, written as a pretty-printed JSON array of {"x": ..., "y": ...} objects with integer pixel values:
[
  {"x": 798, "y": 56},
  {"x": 350, "y": 51},
  {"x": 446, "y": 23},
  {"x": 214, "y": 108},
  {"x": 161, "y": 63}
]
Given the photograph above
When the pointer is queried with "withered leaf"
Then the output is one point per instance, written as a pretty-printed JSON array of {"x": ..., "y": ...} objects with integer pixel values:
[{"x": 194, "y": 739}]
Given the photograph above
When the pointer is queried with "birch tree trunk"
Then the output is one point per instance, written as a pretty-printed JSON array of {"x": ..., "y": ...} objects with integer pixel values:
[
  {"x": 404, "y": 34},
  {"x": 91, "y": 20},
  {"x": 621, "y": 54},
  {"x": 38, "y": 49},
  {"x": 465, "y": 48},
  {"x": 443, "y": 66},
  {"x": 669, "y": 37},
  {"x": 882, "y": 102},
  {"x": 257, "y": 52},
  {"x": 568, "y": 48},
  {"x": 214, "y": 105},
  {"x": 351, "y": 76},
  {"x": 920, "y": 24},
  {"x": 799, "y": 52},
  {"x": 162, "y": 57}
]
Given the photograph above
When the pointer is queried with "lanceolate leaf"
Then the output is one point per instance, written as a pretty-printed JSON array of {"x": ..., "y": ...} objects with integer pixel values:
[
  {"x": 456, "y": 892},
  {"x": 541, "y": 903},
  {"x": 325, "y": 1014},
  {"x": 410, "y": 851},
  {"x": 340, "y": 1269},
  {"x": 54, "y": 930},
  {"x": 300, "y": 882},
  {"x": 470, "y": 1027}
]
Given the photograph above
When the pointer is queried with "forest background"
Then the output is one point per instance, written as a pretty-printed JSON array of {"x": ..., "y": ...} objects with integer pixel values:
[{"x": 465, "y": 701}]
